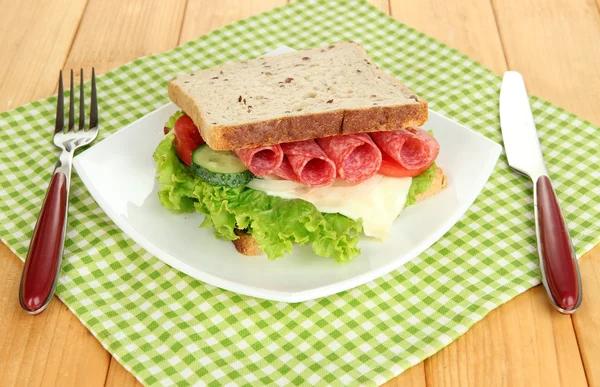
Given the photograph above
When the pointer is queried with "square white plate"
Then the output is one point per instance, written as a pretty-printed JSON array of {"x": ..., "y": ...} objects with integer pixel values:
[{"x": 120, "y": 174}]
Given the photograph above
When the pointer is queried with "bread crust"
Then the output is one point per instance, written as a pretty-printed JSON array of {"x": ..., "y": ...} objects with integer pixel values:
[
  {"x": 247, "y": 245},
  {"x": 440, "y": 181}
]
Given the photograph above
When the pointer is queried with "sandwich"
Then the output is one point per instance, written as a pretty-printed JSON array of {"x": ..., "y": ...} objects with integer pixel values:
[{"x": 316, "y": 147}]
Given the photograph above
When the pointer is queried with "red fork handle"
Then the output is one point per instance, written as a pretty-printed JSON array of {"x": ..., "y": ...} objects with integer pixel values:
[
  {"x": 558, "y": 261},
  {"x": 45, "y": 251}
]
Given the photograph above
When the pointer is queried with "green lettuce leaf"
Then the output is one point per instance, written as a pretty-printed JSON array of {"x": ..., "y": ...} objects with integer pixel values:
[
  {"x": 420, "y": 184},
  {"x": 276, "y": 224},
  {"x": 171, "y": 122}
]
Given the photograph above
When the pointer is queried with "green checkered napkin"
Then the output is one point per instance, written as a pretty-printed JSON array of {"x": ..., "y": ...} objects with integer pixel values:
[{"x": 168, "y": 328}]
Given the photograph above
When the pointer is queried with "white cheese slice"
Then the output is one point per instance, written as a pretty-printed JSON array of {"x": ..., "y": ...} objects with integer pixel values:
[{"x": 377, "y": 201}]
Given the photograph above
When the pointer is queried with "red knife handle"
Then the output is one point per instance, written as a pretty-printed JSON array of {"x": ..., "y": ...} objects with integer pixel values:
[
  {"x": 45, "y": 250},
  {"x": 558, "y": 262}
]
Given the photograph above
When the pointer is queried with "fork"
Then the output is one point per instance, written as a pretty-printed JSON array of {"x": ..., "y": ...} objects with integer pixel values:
[{"x": 44, "y": 257}]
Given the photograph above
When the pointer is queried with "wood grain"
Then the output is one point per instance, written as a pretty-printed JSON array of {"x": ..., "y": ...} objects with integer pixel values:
[
  {"x": 587, "y": 319},
  {"x": 412, "y": 377},
  {"x": 31, "y": 57},
  {"x": 524, "y": 342},
  {"x": 201, "y": 18},
  {"x": 383, "y": 5},
  {"x": 554, "y": 44},
  {"x": 119, "y": 376},
  {"x": 52, "y": 349},
  {"x": 470, "y": 28},
  {"x": 114, "y": 32}
]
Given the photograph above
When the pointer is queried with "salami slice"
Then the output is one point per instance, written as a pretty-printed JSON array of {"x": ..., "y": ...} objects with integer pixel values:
[
  {"x": 262, "y": 160},
  {"x": 356, "y": 156},
  {"x": 412, "y": 148},
  {"x": 310, "y": 164},
  {"x": 285, "y": 171}
]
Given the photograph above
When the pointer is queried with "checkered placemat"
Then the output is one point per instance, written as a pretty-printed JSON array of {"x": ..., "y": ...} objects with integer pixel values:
[{"x": 168, "y": 328}]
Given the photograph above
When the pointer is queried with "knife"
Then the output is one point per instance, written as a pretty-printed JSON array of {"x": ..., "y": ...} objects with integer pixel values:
[{"x": 558, "y": 263}]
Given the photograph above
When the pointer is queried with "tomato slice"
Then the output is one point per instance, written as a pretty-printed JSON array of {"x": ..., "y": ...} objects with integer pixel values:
[
  {"x": 187, "y": 138},
  {"x": 389, "y": 167},
  {"x": 185, "y": 127},
  {"x": 185, "y": 146}
]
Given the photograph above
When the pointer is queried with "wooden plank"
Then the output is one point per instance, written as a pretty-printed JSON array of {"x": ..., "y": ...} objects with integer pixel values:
[
  {"x": 201, "y": 18},
  {"x": 524, "y": 342},
  {"x": 52, "y": 348},
  {"x": 383, "y": 5},
  {"x": 587, "y": 319},
  {"x": 413, "y": 377},
  {"x": 470, "y": 28},
  {"x": 199, "y": 22},
  {"x": 114, "y": 32},
  {"x": 32, "y": 55},
  {"x": 554, "y": 43},
  {"x": 119, "y": 376}
]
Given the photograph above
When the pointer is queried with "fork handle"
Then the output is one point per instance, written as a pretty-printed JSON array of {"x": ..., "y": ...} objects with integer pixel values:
[
  {"x": 44, "y": 257},
  {"x": 560, "y": 272}
]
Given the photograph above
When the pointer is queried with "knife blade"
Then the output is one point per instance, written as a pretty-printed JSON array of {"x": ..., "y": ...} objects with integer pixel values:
[{"x": 558, "y": 262}]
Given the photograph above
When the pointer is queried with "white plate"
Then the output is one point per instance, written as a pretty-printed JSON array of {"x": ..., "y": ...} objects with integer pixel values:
[{"x": 120, "y": 174}]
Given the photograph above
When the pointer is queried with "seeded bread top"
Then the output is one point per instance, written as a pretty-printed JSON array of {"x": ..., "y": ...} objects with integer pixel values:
[{"x": 230, "y": 102}]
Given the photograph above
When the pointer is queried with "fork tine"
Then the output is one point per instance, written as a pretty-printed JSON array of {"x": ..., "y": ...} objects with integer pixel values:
[
  {"x": 93, "y": 103},
  {"x": 71, "y": 105},
  {"x": 60, "y": 106},
  {"x": 81, "y": 102}
]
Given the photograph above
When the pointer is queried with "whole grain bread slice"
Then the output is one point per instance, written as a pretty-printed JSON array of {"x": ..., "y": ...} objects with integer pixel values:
[
  {"x": 247, "y": 245},
  {"x": 306, "y": 94}
]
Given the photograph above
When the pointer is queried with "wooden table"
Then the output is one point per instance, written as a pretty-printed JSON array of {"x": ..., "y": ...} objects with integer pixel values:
[{"x": 554, "y": 43}]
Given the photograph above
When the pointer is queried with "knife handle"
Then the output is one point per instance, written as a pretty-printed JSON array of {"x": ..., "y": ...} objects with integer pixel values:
[{"x": 560, "y": 271}]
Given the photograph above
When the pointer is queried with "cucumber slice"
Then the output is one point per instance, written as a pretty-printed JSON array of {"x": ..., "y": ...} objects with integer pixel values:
[
  {"x": 217, "y": 161},
  {"x": 222, "y": 179},
  {"x": 222, "y": 168}
]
